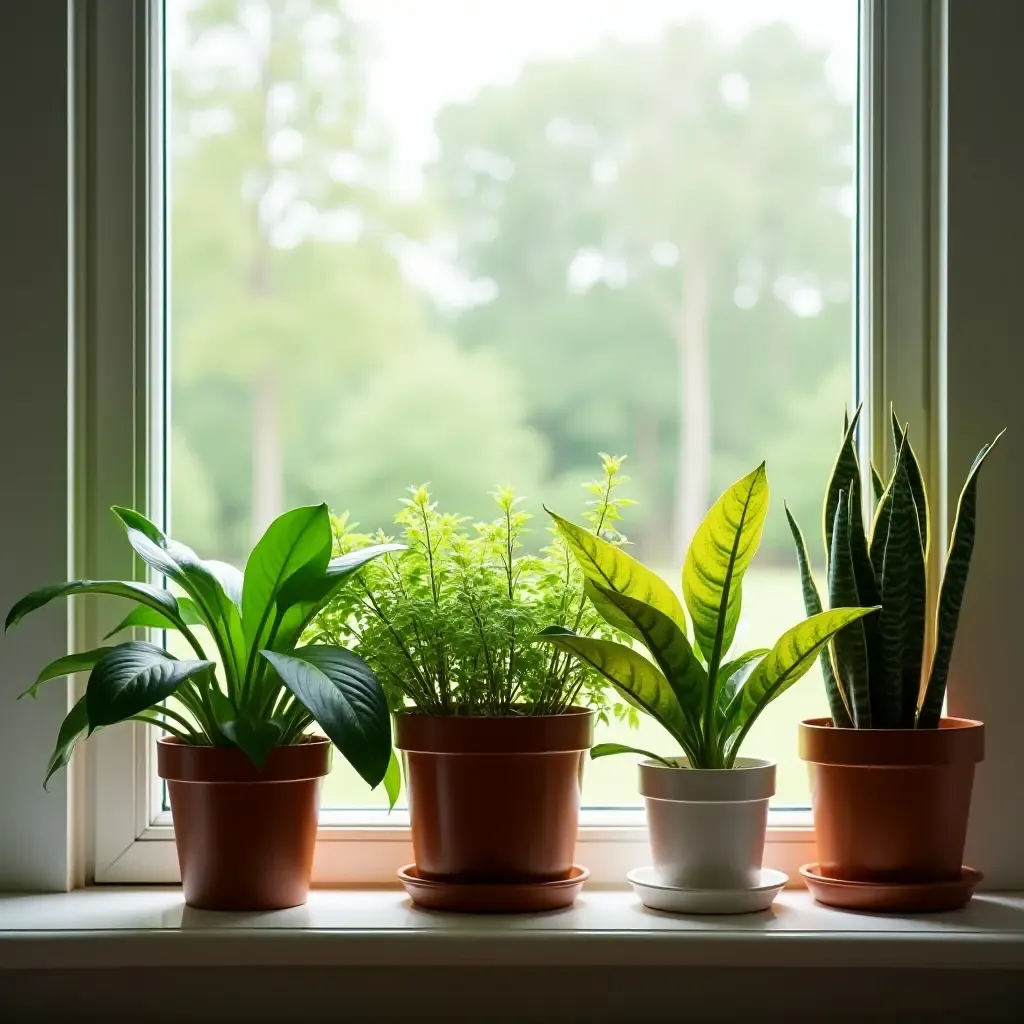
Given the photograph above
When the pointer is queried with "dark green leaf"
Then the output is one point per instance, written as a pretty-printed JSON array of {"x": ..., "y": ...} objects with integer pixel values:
[
  {"x": 845, "y": 469},
  {"x": 914, "y": 616},
  {"x": 145, "y": 617},
  {"x": 877, "y": 484},
  {"x": 837, "y": 698},
  {"x": 951, "y": 593},
  {"x": 608, "y": 611},
  {"x": 72, "y": 729},
  {"x": 605, "y": 749},
  {"x": 133, "y": 677},
  {"x": 849, "y": 647},
  {"x": 900, "y": 437},
  {"x": 144, "y": 593},
  {"x": 66, "y": 666},
  {"x": 342, "y": 694},
  {"x": 254, "y": 739}
]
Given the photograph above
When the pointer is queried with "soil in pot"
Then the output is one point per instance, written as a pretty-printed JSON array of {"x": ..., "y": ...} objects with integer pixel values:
[
  {"x": 891, "y": 805},
  {"x": 245, "y": 838},
  {"x": 494, "y": 799}
]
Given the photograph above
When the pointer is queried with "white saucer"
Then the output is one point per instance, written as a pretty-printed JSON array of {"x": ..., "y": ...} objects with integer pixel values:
[{"x": 675, "y": 900}]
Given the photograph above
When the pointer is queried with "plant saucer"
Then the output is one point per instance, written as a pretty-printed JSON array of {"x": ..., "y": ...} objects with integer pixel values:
[
  {"x": 493, "y": 897},
  {"x": 891, "y": 897},
  {"x": 678, "y": 900}
]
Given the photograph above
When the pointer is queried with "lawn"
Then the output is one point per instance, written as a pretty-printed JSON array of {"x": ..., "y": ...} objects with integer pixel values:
[{"x": 771, "y": 603}]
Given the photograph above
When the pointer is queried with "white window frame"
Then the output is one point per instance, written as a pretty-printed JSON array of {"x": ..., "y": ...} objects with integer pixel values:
[{"x": 120, "y": 397}]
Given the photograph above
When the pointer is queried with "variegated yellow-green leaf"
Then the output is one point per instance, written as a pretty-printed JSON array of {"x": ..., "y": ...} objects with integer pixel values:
[
  {"x": 837, "y": 699},
  {"x": 610, "y": 567},
  {"x": 954, "y": 581},
  {"x": 789, "y": 660},
  {"x": 719, "y": 554}
]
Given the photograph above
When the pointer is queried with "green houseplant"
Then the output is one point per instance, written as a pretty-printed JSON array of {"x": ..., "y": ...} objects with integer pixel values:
[
  {"x": 449, "y": 629},
  {"x": 706, "y": 810},
  {"x": 877, "y": 822},
  {"x": 239, "y": 725}
]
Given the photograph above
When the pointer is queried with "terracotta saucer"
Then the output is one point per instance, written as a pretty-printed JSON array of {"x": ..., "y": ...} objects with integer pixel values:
[
  {"x": 891, "y": 897},
  {"x": 493, "y": 897}
]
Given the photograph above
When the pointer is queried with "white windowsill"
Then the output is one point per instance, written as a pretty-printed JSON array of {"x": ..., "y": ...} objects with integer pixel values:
[{"x": 151, "y": 927}]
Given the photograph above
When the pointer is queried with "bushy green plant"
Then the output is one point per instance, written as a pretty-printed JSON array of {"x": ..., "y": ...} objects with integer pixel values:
[
  {"x": 706, "y": 699},
  {"x": 268, "y": 690},
  {"x": 873, "y": 671},
  {"x": 449, "y": 625}
]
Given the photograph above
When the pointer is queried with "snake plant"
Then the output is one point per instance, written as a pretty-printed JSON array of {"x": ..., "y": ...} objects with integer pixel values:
[
  {"x": 874, "y": 670},
  {"x": 704, "y": 695}
]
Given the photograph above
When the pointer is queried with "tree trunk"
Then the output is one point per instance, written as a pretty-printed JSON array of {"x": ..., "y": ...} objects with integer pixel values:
[
  {"x": 267, "y": 459},
  {"x": 693, "y": 470}
]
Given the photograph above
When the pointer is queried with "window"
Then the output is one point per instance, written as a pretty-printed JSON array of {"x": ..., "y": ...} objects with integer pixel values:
[{"x": 389, "y": 251}]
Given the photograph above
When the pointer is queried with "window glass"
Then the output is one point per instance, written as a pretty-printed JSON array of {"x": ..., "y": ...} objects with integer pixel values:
[{"x": 478, "y": 243}]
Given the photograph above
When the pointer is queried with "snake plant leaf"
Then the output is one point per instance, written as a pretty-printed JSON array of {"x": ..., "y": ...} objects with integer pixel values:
[
  {"x": 147, "y": 594},
  {"x": 605, "y": 749},
  {"x": 133, "y": 677},
  {"x": 902, "y": 537},
  {"x": 669, "y": 647},
  {"x": 610, "y": 567},
  {"x": 787, "y": 662},
  {"x": 180, "y": 563},
  {"x": 145, "y": 617},
  {"x": 297, "y": 543},
  {"x": 951, "y": 592},
  {"x": 845, "y": 469},
  {"x": 838, "y": 702},
  {"x": 719, "y": 554},
  {"x": 633, "y": 676},
  {"x": 900, "y": 435},
  {"x": 880, "y": 524},
  {"x": 914, "y": 612},
  {"x": 66, "y": 666},
  {"x": 344, "y": 697},
  {"x": 877, "y": 484},
  {"x": 849, "y": 647},
  {"x": 72, "y": 729}
]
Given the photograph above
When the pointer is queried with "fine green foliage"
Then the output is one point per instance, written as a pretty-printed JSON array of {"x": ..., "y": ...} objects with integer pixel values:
[
  {"x": 705, "y": 702},
  {"x": 874, "y": 671},
  {"x": 449, "y": 626},
  {"x": 268, "y": 691}
]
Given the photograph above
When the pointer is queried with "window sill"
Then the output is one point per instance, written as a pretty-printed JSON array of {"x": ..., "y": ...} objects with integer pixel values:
[{"x": 151, "y": 927}]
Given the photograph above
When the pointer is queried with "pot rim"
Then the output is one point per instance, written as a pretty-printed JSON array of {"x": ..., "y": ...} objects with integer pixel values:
[
  {"x": 205, "y": 765},
  {"x": 571, "y": 731},
  {"x": 956, "y": 741},
  {"x": 751, "y": 781}
]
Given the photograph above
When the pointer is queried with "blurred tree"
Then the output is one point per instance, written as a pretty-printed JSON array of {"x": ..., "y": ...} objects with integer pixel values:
[{"x": 663, "y": 226}]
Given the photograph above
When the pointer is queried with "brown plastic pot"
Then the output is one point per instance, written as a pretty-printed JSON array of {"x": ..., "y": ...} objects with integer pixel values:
[
  {"x": 494, "y": 799},
  {"x": 891, "y": 805},
  {"x": 245, "y": 837}
]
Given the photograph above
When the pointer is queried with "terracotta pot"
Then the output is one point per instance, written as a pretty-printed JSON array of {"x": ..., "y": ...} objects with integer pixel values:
[
  {"x": 891, "y": 805},
  {"x": 494, "y": 799},
  {"x": 245, "y": 838}
]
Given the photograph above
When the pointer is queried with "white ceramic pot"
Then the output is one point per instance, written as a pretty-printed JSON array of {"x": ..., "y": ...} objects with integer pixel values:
[{"x": 707, "y": 827}]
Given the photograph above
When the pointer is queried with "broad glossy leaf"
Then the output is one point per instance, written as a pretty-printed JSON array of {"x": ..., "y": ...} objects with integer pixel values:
[
  {"x": 342, "y": 694},
  {"x": 845, "y": 469},
  {"x": 145, "y": 617},
  {"x": 144, "y": 593},
  {"x": 606, "y": 749},
  {"x": 837, "y": 699},
  {"x": 66, "y": 666},
  {"x": 610, "y": 567},
  {"x": 788, "y": 661},
  {"x": 721, "y": 551},
  {"x": 734, "y": 674},
  {"x": 902, "y": 539},
  {"x": 951, "y": 593},
  {"x": 131, "y": 678},
  {"x": 849, "y": 647},
  {"x": 72, "y": 729},
  {"x": 633, "y": 676},
  {"x": 393, "y": 781},
  {"x": 608, "y": 611},
  {"x": 254, "y": 739},
  {"x": 669, "y": 647},
  {"x": 900, "y": 436},
  {"x": 296, "y": 543},
  {"x": 230, "y": 578}
]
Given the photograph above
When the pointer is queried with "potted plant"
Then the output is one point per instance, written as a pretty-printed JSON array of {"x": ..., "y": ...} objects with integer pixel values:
[
  {"x": 706, "y": 809},
  {"x": 242, "y": 768},
  {"x": 891, "y": 777},
  {"x": 493, "y": 728}
]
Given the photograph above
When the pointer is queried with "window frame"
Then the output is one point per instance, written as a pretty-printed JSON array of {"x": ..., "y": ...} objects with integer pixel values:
[{"x": 118, "y": 174}]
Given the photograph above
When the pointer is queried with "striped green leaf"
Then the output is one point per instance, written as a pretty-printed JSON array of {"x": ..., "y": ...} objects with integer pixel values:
[
  {"x": 880, "y": 525},
  {"x": 914, "y": 612},
  {"x": 849, "y": 647},
  {"x": 788, "y": 661},
  {"x": 899, "y": 436},
  {"x": 877, "y": 484},
  {"x": 610, "y": 567},
  {"x": 845, "y": 470},
  {"x": 951, "y": 593},
  {"x": 837, "y": 698}
]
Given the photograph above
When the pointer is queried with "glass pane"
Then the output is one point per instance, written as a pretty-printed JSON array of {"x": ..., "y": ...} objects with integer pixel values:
[{"x": 477, "y": 243}]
